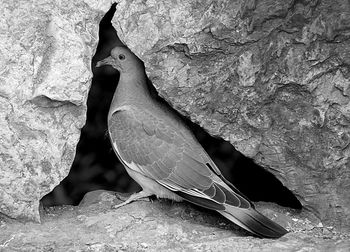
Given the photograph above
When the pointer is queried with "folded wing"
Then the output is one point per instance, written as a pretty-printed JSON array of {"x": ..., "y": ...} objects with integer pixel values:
[{"x": 174, "y": 159}]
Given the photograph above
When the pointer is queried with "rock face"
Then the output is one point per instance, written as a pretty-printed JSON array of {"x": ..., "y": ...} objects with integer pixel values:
[
  {"x": 270, "y": 76},
  {"x": 46, "y": 49},
  {"x": 159, "y": 226}
]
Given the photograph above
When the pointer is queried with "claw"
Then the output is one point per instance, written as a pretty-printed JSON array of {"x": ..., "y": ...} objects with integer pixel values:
[{"x": 142, "y": 195}]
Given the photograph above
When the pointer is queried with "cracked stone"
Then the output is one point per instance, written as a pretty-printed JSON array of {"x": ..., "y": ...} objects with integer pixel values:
[
  {"x": 281, "y": 66},
  {"x": 46, "y": 49}
]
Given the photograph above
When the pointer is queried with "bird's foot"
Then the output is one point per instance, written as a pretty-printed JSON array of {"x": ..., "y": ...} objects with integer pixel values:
[{"x": 142, "y": 195}]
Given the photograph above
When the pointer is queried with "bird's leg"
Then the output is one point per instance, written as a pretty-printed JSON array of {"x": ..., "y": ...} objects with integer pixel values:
[{"x": 133, "y": 197}]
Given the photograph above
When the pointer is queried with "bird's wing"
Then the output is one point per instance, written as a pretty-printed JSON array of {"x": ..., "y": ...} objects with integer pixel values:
[{"x": 167, "y": 155}]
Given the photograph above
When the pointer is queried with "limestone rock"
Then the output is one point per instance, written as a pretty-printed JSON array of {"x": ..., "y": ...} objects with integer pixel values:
[
  {"x": 46, "y": 49},
  {"x": 159, "y": 226},
  {"x": 270, "y": 76}
]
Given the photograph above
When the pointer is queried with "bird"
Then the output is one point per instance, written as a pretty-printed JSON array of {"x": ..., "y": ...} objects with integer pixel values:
[{"x": 163, "y": 156}]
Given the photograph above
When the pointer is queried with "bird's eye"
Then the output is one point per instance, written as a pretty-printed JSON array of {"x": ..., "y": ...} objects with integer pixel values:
[{"x": 121, "y": 56}]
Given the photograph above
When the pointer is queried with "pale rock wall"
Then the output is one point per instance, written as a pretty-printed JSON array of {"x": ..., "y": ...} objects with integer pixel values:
[
  {"x": 270, "y": 76},
  {"x": 45, "y": 55}
]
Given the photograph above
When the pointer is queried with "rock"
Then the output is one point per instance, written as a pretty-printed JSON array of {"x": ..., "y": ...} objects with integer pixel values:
[
  {"x": 156, "y": 226},
  {"x": 270, "y": 76},
  {"x": 46, "y": 49}
]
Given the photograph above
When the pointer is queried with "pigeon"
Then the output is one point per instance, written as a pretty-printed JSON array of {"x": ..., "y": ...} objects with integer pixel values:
[{"x": 163, "y": 156}]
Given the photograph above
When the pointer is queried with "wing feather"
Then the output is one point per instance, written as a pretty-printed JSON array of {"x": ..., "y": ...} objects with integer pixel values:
[{"x": 165, "y": 155}]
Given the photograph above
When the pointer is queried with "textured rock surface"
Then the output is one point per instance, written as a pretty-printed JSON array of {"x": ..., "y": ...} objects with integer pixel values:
[
  {"x": 159, "y": 226},
  {"x": 270, "y": 76},
  {"x": 46, "y": 49}
]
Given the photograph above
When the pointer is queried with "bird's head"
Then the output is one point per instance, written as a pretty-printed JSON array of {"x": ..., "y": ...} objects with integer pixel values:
[{"x": 123, "y": 60}]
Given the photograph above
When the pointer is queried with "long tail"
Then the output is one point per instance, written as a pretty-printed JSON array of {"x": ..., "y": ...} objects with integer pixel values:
[{"x": 253, "y": 221}]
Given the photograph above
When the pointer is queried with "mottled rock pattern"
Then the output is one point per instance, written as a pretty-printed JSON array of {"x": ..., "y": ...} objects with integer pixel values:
[
  {"x": 46, "y": 49},
  {"x": 270, "y": 76},
  {"x": 159, "y": 226}
]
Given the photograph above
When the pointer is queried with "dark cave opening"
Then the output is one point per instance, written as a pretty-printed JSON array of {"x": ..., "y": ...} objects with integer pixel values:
[{"x": 96, "y": 166}]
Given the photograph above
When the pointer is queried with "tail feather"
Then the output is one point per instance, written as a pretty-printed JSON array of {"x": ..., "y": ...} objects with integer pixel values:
[{"x": 254, "y": 222}]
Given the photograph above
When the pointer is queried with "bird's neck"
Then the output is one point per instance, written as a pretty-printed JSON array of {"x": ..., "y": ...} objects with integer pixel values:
[{"x": 132, "y": 90}]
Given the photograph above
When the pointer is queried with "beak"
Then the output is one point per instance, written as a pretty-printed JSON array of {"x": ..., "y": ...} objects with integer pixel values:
[{"x": 107, "y": 61}]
